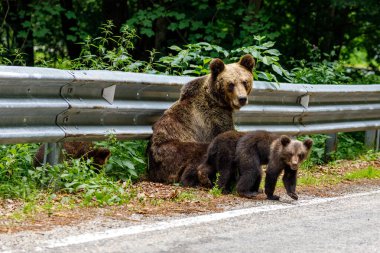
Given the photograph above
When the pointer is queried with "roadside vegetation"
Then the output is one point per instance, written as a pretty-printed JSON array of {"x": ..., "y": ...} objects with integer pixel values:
[{"x": 118, "y": 47}]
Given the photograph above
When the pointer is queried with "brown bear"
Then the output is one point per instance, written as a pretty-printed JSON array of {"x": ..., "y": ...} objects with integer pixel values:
[
  {"x": 76, "y": 150},
  {"x": 181, "y": 136},
  {"x": 220, "y": 158},
  {"x": 251, "y": 150}
]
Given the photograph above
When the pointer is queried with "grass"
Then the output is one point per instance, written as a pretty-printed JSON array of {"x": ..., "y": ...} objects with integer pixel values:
[
  {"x": 367, "y": 173},
  {"x": 75, "y": 184},
  {"x": 309, "y": 179},
  {"x": 216, "y": 191},
  {"x": 187, "y": 195}
]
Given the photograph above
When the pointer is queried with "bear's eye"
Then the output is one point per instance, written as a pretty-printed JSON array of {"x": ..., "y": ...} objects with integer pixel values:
[
  {"x": 231, "y": 87},
  {"x": 245, "y": 83},
  {"x": 301, "y": 156}
]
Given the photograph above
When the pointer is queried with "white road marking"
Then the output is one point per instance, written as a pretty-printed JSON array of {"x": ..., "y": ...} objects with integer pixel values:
[{"x": 132, "y": 230}]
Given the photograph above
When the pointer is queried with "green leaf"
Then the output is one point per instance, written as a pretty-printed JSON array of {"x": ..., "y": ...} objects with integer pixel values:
[
  {"x": 265, "y": 60},
  {"x": 268, "y": 44},
  {"x": 26, "y": 24},
  {"x": 71, "y": 38},
  {"x": 22, "y": 34},
  {"x": 175, "y": 48},
  {"x": 132, "y": 172},
  {"x": 70, "y": 15},
  {"x": 128, "y": 164},
  {"x": 148, "y": 32},
  {"x": 274, "y": 52},
  {"x": 277, "y": 69}
]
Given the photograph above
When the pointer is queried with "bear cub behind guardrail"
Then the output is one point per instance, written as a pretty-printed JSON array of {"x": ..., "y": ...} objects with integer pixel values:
[
  {"x": 78, "y": 149},
  {"x": 238, "y": 157}
]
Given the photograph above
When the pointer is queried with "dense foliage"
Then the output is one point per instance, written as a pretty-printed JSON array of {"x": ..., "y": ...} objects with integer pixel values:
[{"x": 51, "y": 30}]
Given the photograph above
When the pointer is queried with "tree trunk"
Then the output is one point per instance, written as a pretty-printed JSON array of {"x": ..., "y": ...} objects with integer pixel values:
[
  {"x": 69, "y": 26},
  {"x": 117, "y": 11},
  {"x": 160, "y": 34},
  {"x": 24, "y": 43}
]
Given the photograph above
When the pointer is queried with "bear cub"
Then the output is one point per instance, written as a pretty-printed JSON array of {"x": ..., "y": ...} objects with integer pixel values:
[
  {"x": 78, "y": 149},
  {"x": 242, "y": 162}
]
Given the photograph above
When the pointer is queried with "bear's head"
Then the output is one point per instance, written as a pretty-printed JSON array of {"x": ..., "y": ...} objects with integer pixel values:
[
  {"x": 99, "y": 155},
  {"x": 231, "y": 83},
  {"x": 294, "y": 152}
]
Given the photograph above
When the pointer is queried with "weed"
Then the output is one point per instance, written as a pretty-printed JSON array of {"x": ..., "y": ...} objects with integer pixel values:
[
  {"x": 370, "y": 155},
  {"x": 127, "y": 161},
  {"x": 215, "y": 190},
  {"x": 317, "y": 152},
  {"x": 194, "y": 59},
  {"x": 187, "y": 195},
  {"x": 350, "y": 146},
  {"x": 156, "y": 202}
]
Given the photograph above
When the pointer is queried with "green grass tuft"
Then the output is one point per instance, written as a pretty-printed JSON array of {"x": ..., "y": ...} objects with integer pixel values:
[{"x": 367, "y": 173}]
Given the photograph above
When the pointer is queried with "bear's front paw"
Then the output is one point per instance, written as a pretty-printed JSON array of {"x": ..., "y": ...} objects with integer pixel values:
[
  {"x": 204, "y": 180},
  {"x": 206, "y": 184},
  {"x": 273, "y": 197},
  {"x": 225, "y": 191},
  {"x": 293, "y": 195}
]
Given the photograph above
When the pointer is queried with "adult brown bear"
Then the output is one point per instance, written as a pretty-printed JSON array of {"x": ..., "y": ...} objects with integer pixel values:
[{"x": 204, "y": 110}]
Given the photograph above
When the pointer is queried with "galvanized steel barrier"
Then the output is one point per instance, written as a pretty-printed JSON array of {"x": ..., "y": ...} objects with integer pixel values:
[{"x": 51, "y": 105}]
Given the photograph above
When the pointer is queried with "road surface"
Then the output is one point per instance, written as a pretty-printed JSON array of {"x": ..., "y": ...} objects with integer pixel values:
[{"x": 350, "y": 223}]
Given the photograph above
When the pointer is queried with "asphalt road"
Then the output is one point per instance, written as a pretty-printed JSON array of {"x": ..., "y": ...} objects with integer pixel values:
[{"x": 343, "y": 224}]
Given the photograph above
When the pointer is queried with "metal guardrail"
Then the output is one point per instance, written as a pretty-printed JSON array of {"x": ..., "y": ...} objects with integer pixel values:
[{"x": 50, "y": 105}]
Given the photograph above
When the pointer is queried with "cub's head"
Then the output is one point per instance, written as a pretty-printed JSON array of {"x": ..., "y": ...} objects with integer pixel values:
[
  {"x": 294, "y": 152},
  {"x": 99, "y": 155},
  {"x": 231, "y": 83}
]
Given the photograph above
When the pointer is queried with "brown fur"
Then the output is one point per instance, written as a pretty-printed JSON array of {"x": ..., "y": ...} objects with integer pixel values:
[
  {"x": 220, "y": 158},
  {"x": 285, "y": 155},
  {"x": 238, "y": 157},
  {"x": 77, "y": 150},
  {"x": 181, "y": 136}
]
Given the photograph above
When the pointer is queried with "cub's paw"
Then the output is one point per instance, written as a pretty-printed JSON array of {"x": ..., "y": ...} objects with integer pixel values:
[
  {"x": 273, "y": 197},
  {"x": 204, "y": 180},
  {"x": 293, "y": 195},
  {"x": 225, "y": 191}
]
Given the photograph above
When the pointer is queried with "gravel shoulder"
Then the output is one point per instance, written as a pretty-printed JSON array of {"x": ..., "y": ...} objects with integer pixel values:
[{"x": 156, "y": 202}]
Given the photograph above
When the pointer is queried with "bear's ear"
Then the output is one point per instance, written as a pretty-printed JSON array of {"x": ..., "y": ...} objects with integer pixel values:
[
  {"x": 216, "y": 67},
  {"x": 247, "y": 62},
  {"x": 285, "y": 140},
  {"x": 103, "y": 153},
  {"x": 308, "y": 143}
]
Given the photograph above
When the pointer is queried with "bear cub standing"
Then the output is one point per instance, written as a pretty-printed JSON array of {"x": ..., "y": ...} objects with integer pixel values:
[{"x": 251, "y": 150}]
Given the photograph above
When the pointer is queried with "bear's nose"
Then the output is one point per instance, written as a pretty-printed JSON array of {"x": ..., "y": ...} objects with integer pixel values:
[{"x": 242, "y": 100}]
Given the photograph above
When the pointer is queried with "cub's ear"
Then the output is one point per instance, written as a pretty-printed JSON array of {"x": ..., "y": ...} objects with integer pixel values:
[
  {"x": 285, "y": 140},
  {"x": 308, "y": 143},
  {"x": 216, "y": 67},
  {"x": 247, "y": 62},
  {"x": 103, "y": 153}
]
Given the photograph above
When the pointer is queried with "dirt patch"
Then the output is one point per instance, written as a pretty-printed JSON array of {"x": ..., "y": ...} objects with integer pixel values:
[{"x": 154, "y": 199}]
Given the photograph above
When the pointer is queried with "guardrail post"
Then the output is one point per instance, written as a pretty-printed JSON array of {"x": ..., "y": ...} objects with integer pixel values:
[
  {"x": 370, "y": 139},
  {"x": 330, "y": 146},
  {"x": 377, "y": 140},
  {"x": 53, "y": 153}
]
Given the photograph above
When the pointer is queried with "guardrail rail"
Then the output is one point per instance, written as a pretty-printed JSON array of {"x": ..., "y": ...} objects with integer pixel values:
[{"x": 51, "y": 105}]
